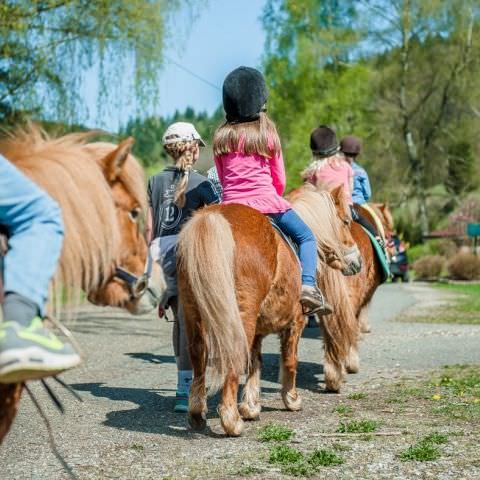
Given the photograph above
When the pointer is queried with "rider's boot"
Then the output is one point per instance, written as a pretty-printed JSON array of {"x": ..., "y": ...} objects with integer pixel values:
[
  {"x": 28, "y": 350},
  {"x": 313, "y": 301}
]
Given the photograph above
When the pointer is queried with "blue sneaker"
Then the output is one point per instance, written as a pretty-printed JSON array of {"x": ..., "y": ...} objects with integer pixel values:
[
  {"x": 32, "y": 352},
  {"x": 181, "y": 402}
]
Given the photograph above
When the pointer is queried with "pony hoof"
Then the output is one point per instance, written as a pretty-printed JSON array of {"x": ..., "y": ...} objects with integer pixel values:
[
  {"x": 366, "y": 330},
  {"x": 332, "y": 389},
  {"x": 197, "y": 421},
  {"x": 352, "y": 368},
  {"x": 249, "y": 412},
  {"x": 234, "y": 429},
  {"x": 293, "y": 402}
]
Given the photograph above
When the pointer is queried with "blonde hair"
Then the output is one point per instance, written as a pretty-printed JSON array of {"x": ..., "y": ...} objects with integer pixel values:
[
  {"x": 183, "y": 154},
  {"x": 257, "y": 137},
  {"x": 318, "y": 163}
]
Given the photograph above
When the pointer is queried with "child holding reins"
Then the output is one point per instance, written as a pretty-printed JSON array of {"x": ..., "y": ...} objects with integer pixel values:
[
  {"x": 249, "y": 162},
  {"x": 174, "y": 195}
]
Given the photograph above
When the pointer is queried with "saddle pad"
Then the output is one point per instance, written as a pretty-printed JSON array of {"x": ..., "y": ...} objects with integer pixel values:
[
  {"x": 378, "y": 222},
  {"x": 382, "y": 258},
  {"x": 293, "y": 246}
]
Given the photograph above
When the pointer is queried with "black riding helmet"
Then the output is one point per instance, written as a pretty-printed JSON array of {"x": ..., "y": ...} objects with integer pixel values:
[
  {"x": 244, "y": 95},
  {"x": 351, "y": 145},
  {"x": 323, "y": 141}
]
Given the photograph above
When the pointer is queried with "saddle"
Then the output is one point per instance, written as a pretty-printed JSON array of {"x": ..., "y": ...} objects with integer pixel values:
[{"x": 291, "y": 244}]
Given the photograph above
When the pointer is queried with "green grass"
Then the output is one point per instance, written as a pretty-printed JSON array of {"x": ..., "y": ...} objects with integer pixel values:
[
  {"x": 275, "y": 433},
  {"x": 357, "y": 396},
  {"x": 457, "y": 392},
  {"x": 294, "y": 462},
  {"x": 358, "y": 426},
  {"x": 137, "y": 447},
  {"x": 420, "y": 452},
  {"x": 285, "y": 455},
  {"x": 324, "y": 458},
  {"x": 426, "y": 449},
  {"x": 463, "y": 308},
  {"x": 343, "y": 410}
]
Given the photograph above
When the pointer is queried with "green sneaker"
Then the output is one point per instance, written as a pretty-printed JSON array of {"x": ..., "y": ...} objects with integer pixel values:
[
  {"x": 33, "y": 352},
  {"x": 181, "y": 403}
]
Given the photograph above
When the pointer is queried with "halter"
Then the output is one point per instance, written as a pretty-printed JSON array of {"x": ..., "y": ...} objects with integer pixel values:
[{"x": 137, "y": 285}]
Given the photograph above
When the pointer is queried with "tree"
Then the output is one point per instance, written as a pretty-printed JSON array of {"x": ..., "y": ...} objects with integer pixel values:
[
  {"x": 461, "y": 169},
  {"x": 46, "y": 46},
  {"x": 313, "y": 74},
  {"x": 423, "y": 99}
]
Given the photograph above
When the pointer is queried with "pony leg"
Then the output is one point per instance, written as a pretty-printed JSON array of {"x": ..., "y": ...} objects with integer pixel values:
[
  {"x": 334, "y": 376},
  {"x": 250, "y": 406},
  {"x": 232, "y": 423},
  {"x": 363, "y": 320},
  {"x": 289, "y": 344},
  {"x": 352, "y": 364},
  {"x": 197, "y": 404}
]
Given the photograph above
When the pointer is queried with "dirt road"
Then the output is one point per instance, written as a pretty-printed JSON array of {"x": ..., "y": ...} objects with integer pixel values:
[{"x": 126, "y": 429}]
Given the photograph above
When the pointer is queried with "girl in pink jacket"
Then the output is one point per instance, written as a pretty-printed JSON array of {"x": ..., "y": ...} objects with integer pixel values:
[{"x": 249, "y": 162}]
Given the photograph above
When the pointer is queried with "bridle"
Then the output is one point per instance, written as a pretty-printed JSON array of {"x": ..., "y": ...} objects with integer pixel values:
[{"x": 137, "y": 285}]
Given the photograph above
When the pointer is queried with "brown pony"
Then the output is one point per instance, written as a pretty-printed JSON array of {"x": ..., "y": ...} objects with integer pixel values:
[
  {"x": 101, "y": 191},
  {"x": 239, "y": 281},
  {"x": 359, "y": 289}
]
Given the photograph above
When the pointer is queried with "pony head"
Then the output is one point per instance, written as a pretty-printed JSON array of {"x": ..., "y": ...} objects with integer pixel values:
[
  {"x": 101, "y": 190},
  {"x": 134, "y": 281},
  {"x": 328, "y": 215}
]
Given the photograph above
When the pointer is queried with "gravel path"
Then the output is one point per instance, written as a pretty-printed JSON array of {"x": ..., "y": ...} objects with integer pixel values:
[{"x": 126, "y": 429}]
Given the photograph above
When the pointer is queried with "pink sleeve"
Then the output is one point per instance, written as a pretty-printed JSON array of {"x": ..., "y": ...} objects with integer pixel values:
[
  {"x": 277, "y": 170},
  {"x": 219, "y": 167}
]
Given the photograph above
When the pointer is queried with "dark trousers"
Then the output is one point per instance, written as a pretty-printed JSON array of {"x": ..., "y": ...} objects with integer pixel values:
[{"x": 359, "y": 218}]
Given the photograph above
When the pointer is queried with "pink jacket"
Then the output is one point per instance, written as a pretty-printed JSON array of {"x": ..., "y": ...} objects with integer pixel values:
[
  {"x": 333, "y": 175},
  {"x": 253, "y": 180}
]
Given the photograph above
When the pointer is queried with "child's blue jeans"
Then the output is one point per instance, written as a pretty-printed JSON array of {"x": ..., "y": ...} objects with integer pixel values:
[
  {"x": 293, "y": 226},
  {"x": 34, "y": 224}
]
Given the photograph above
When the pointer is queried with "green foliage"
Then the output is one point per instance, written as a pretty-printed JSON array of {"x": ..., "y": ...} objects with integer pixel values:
[
  {"x": 357, "y": 396},
  {"x": 343, "y": 410},
  {"x": 344, "y": 64},
  {"x": 461, "y": 169},
  {"x": 284, "y": 455},
  {"x": 358, "y": 426},
  {"x": 275, "y": 433},
  {"x": 148, "y": 133},
  {"x": 294, "y": 462},
  {"x": 47, "y": 46},
  {"x": 324, "y": 458},
  {"x": 421, "y": 452}
]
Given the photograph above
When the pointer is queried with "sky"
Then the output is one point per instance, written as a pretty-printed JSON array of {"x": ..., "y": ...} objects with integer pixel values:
[{"x": 225, "y": 35}]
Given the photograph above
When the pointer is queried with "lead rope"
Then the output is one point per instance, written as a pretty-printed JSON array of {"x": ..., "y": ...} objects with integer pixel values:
[{"x": 51, "y": 437}]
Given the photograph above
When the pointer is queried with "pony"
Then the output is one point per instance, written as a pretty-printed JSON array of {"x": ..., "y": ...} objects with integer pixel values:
[
  {"x": 100, "y": 188},
  {"x": 359, "y": 290},
  {"x": 239, "y": 281}
]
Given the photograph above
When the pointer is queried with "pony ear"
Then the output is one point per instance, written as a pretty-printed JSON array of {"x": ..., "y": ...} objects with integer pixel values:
[
  {"x": 337, "y": 194},
  {"x": 381, "y": 206},
  {"x": 113, "y": 163}
]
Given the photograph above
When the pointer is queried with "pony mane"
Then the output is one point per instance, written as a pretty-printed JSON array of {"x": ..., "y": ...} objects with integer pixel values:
[
  {"x": 317, "y": 210},
  {"x": 69, "y": 170}
]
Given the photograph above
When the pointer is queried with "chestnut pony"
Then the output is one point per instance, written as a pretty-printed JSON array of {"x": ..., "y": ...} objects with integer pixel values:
[
  {"x": 239, "y": 281},
  {"x": 101, "y": 190},
  {"x": 359, "y": 290}
]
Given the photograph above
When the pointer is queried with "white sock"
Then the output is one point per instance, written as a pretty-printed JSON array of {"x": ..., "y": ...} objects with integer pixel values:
[{"x": 184, "y": 380}]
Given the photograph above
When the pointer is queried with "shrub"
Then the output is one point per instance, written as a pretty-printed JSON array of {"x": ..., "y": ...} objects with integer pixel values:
[
  {"x": 447, "y": 248},
  {"x": 429, "y": 267},
  {"x": 464, "y": 266}
]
